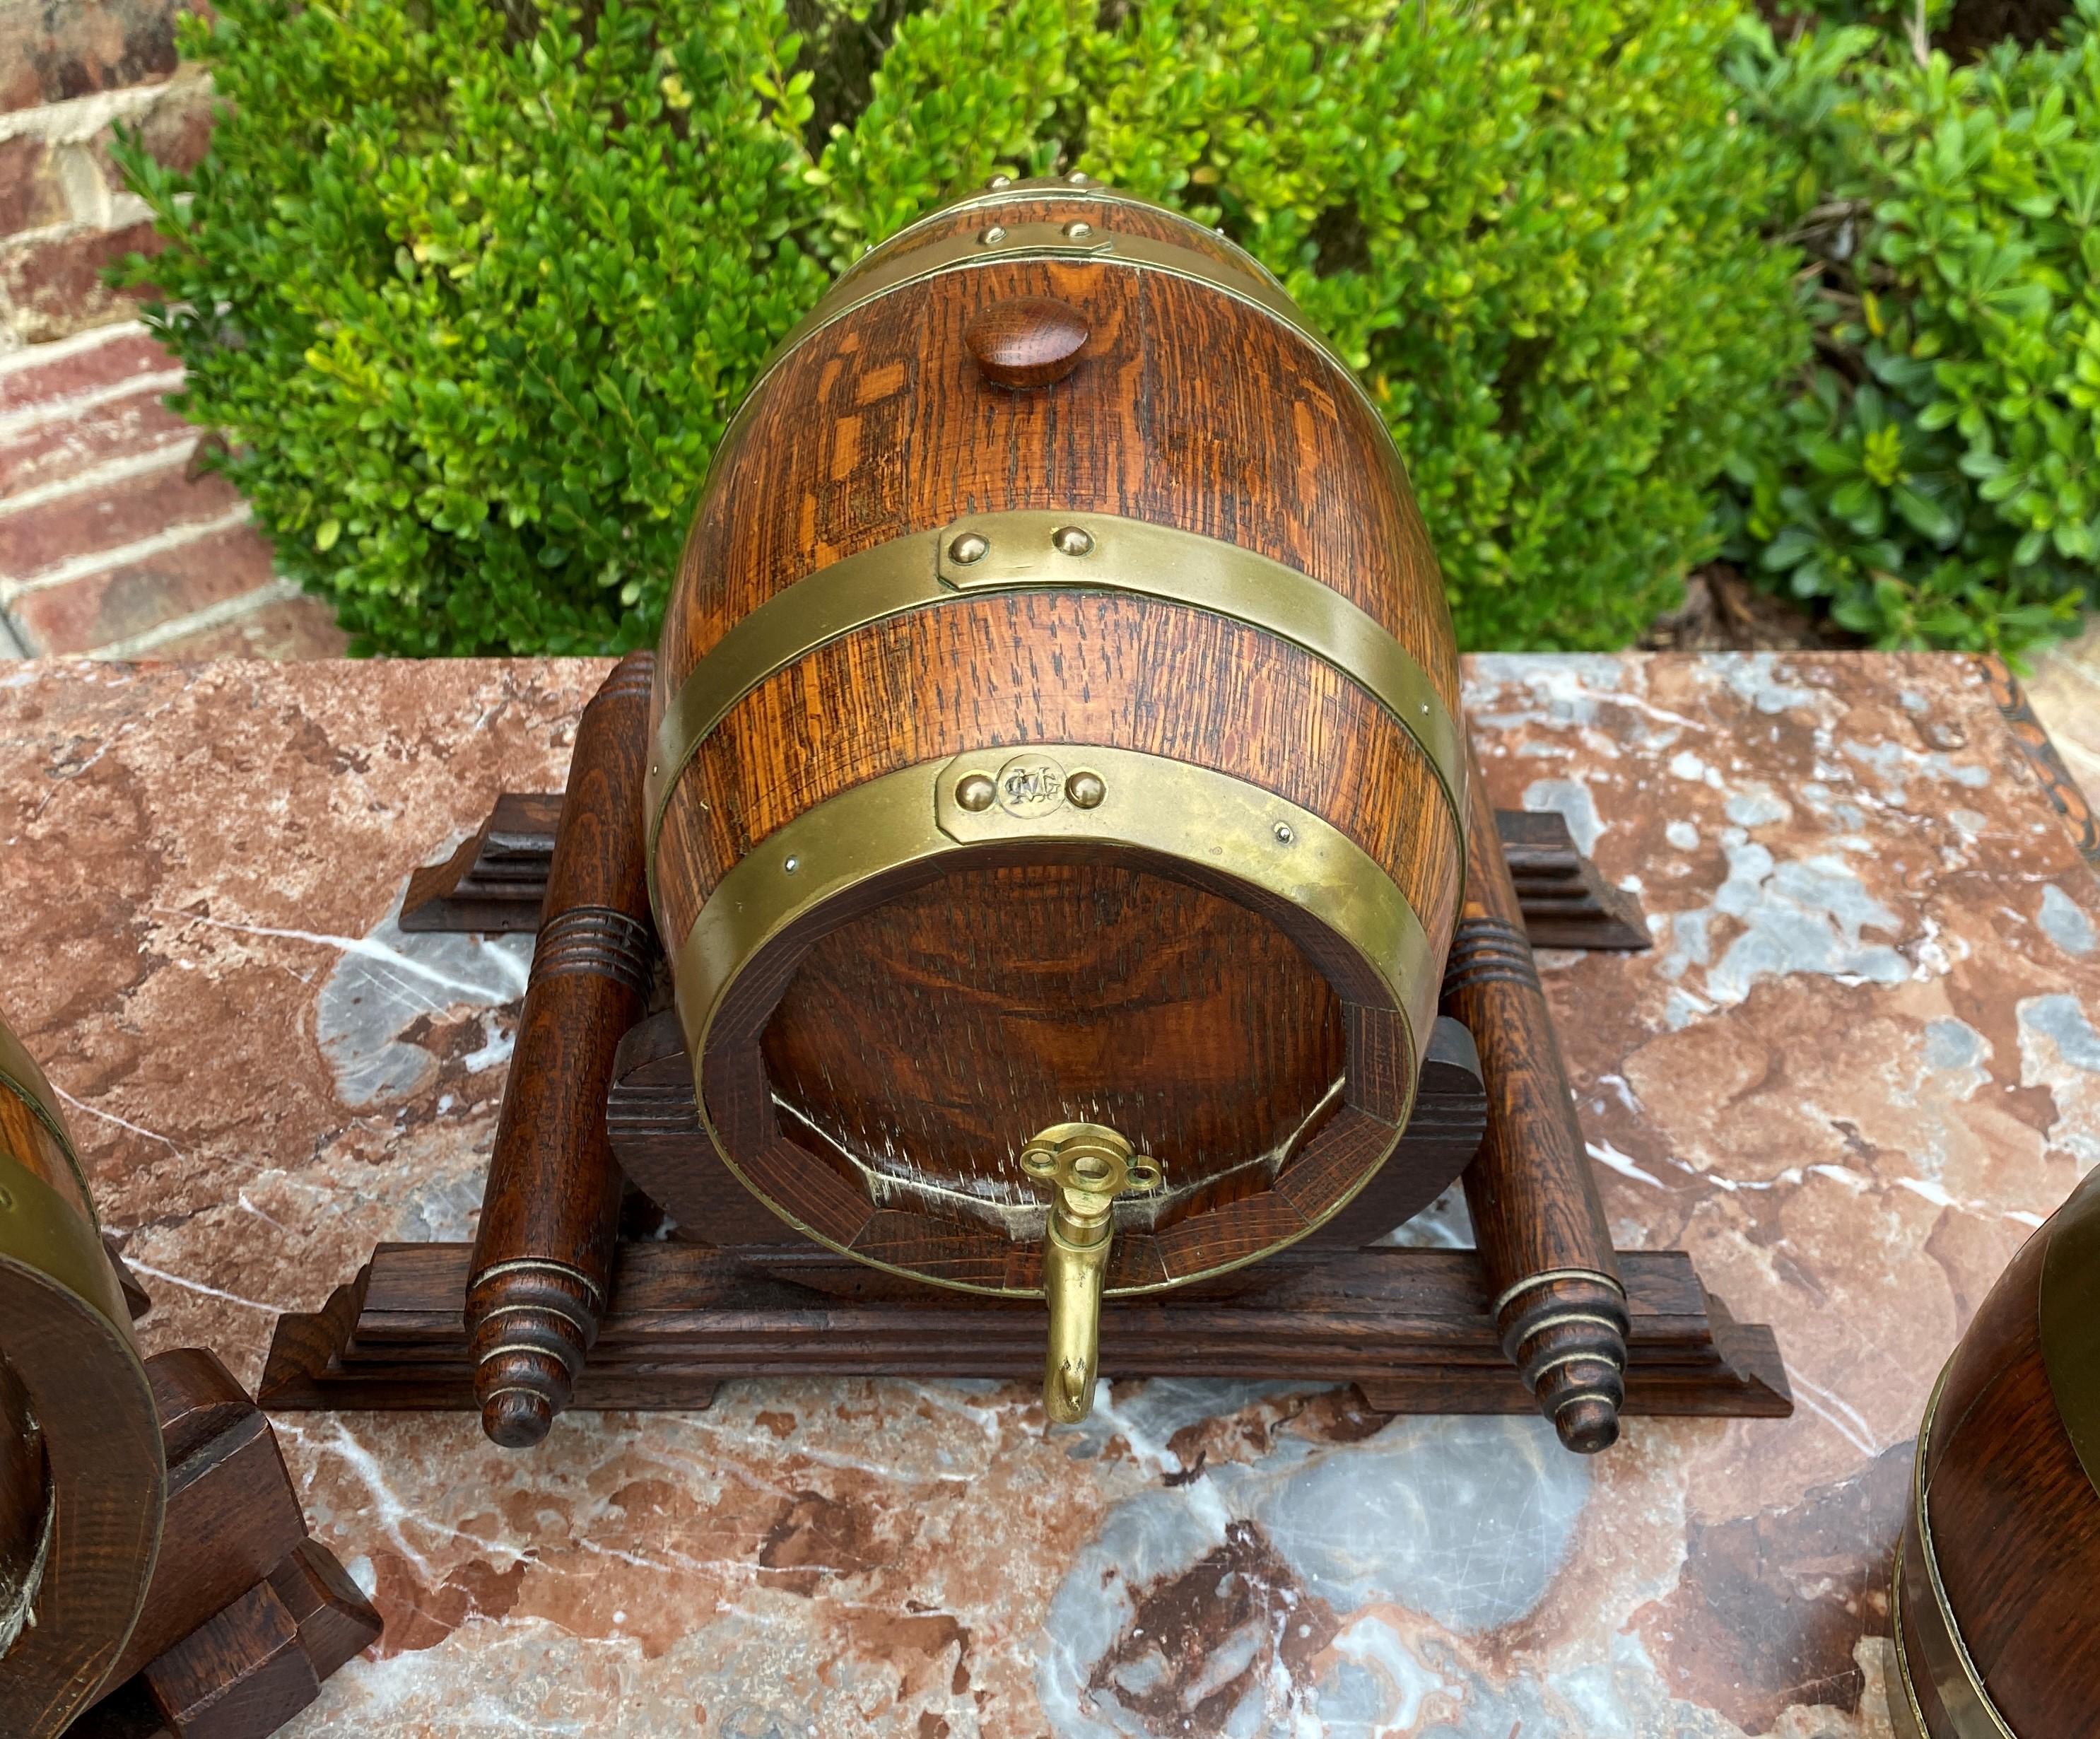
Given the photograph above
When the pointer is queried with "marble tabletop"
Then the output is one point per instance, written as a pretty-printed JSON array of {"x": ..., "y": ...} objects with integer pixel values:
[{"x": 1858, "y": 1068}]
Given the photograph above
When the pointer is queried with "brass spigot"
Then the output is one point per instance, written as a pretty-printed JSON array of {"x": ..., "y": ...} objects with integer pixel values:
[{"x": 1088, "y": 1165}]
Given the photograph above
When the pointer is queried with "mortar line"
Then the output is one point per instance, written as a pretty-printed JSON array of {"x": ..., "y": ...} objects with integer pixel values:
[{"x": 212, "y": 616}]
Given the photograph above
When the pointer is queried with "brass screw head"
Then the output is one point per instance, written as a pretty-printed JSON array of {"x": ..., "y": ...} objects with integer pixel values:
[
  {"x": 998, "y": 182},
  {"x": 975, "y": 792},
  {"x": 1085, "y": 790},
  {"x": 1072, "y": 540},
  {"x": 1078, "y": 228},
  {"x": 971, "y": 546},
  {"x": 993, "y": 236},
  {"x": 1284, "y": 834},
  {"x": 792, "y": 865},
  {"x": 1078, "y": 177}
]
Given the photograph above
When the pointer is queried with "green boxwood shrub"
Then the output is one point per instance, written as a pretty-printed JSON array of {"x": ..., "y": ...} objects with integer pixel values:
[
  {"x": 1936, "y": 478},
  {"x": 473, "y": 289}
]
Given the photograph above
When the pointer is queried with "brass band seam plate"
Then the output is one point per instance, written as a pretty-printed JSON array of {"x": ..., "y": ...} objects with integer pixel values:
[
  {"x": 878, "y": 276},
  {"x": 1178, "y": 811},
  {"x": 988, "y": 202},
  {"x": 2067, "y": 1310},
  {"x": 1962, "y": 1691},
  {"x": 1034, "y": 550},
  {"x": 20, "y": 1075}
]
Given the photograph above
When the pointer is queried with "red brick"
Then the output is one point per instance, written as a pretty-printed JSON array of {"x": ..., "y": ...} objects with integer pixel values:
[
  {"x": 30, "y": 195},
  {"x": 54, "y": 50},
  {"x": 56, "y": 287},
  {"x": 28, "y": 379},
  {"x": 38, "y": 538},
  {"x": 49, "y": 452},
  {"x": 120, "y": 602},
  {"x": 176, "y": 131},
  {"x": 291, "y": 628}
]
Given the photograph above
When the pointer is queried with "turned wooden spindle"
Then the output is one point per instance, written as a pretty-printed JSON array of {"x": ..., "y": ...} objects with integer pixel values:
[
  {"x": 543, "y": 1259},
  {"x": 1560, "y": 1304}
]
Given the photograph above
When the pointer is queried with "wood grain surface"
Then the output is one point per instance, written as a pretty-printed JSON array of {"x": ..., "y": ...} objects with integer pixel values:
[
  {"x": 1533, "y": 1196},
  {"x": 550, "y": 1210},
  {"x": 1413, "y": 1328},
  {"x": 2015, "y": 1520},
  {"x": 246, "y": 1615},
  {"x": 1029, "y": 342}
]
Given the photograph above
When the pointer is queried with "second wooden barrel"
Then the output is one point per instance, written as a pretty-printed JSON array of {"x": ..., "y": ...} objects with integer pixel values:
[
  {"x": 1058, "y": 781},
  {"x": 82, "y": 1471},
  {"x": 1997, "y": 1606}
]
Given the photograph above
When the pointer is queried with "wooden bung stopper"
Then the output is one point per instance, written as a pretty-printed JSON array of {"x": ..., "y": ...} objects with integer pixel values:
[
  {"x": 542, "y": 1270},
  {"x": 1560, "y": 1304},
  {"x": 1031, "y": 341}
]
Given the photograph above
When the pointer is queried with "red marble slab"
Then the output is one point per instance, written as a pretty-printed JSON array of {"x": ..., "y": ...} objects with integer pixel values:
[{"x": 1859, "y": 1067}]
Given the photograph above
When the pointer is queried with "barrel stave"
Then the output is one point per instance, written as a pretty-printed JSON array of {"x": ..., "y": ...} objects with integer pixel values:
[
  {"x": 1188, "y": 410},
  {"x": 1061, "y": 667}
]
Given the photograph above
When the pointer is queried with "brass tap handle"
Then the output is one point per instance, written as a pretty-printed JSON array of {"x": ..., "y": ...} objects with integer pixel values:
[{"x": 1088, "y": 1165}]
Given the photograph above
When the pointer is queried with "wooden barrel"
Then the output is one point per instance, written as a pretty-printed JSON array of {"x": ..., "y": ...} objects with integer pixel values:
[
  {"x": 1056, "y": 730},
  {"x": 1997, "y": 1603},
  {"x": 81, "y": 1475}
]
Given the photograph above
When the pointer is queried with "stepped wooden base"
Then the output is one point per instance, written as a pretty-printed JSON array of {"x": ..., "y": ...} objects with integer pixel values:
[
  {"x": 246, "y": 1615},
  {"x": 1411, "y": 1328},
  {"x": 496, "y": 881}
]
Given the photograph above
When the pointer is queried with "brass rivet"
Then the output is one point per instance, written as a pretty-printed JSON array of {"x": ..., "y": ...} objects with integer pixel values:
[
  {"x": 1284, "y": 836},
  {"x": 1086, "y": 790},
  {"x": 792, "y": 865},
  {"x": 1078, "y": 177},
  {"x": 998, "y": 182},
  {"x": 995, "y": 234},
  {"x": 975, "y": 792},
  {"x": 971, "y": 546},
  {"x": 1078, "y": 227},
  {"x": 1072, "y": 540}
]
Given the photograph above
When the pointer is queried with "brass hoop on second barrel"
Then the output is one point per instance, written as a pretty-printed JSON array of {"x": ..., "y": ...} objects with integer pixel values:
[{"x": 81, "y": 1472}]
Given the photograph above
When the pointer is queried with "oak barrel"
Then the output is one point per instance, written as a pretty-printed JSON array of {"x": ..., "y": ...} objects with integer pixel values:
[
  {"x": 1997, "y": 1602},
  {"x": 82, "y": 1474},
  {"x": 1056, "y": 730}
]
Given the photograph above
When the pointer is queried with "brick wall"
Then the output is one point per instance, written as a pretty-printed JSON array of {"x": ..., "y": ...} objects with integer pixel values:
[
  {"x": 114, "y": 541},
  {"x": 68, "y": 69}
]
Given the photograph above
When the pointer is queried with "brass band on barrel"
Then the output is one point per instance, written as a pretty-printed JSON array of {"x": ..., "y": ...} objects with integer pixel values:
[
  {"x": 1944, "y": 1656},
  {"x": 40, "y": 1227},
  {"x": 2067, "y": 1319},
  {"x": 1057, "y": 552},
  {"x": 1034, "y": 190},
  {"x": 1221, "y": 827},
  {"x": 25, "y": 1082}
]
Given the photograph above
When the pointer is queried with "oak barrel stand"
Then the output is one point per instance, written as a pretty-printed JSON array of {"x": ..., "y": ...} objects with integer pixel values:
[{"x": 1415, "y": 1329}]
